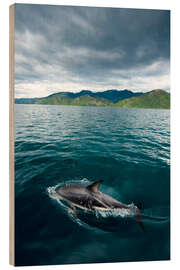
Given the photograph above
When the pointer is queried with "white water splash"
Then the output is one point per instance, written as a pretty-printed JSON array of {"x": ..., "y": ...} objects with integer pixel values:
[{"x": 130, "y": 212}]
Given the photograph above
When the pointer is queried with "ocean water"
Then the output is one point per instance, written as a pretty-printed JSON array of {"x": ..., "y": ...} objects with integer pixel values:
[{"x": 129, "y": 149}]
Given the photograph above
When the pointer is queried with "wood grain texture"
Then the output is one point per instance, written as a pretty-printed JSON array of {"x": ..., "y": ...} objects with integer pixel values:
[{"x": 11, "y": 136}]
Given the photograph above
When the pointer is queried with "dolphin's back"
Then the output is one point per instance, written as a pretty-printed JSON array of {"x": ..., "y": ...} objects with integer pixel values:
[
  {"x": 79, "y": 195},
  {"x": 83, "y": 197}
]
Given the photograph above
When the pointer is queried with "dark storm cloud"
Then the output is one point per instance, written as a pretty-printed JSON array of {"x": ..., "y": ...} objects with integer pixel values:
[{"x": 90, "y": 47}]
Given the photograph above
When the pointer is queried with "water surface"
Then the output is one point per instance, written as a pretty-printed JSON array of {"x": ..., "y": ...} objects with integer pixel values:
[{"x": 128, "y": 148}]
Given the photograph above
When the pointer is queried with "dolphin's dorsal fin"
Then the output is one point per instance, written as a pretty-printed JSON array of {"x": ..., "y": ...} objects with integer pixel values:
[{"x": 94, "y": 186}]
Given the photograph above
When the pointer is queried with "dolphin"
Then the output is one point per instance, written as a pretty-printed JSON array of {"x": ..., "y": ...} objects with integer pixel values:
[{"x": 90, "y": 198}]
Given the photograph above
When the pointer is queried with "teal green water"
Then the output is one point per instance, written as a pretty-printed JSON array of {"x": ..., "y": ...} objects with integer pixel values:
[{"x": 128, "y": 148}]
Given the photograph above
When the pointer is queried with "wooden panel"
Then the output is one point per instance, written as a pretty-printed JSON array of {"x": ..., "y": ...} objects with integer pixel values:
[{"x": 11, "y": 134}]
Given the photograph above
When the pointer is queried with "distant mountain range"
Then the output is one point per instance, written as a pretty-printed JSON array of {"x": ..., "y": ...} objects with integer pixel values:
[{"x": 157, "y": 98}]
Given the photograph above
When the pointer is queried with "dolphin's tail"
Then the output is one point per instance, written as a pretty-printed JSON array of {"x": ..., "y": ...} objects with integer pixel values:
[{"x": 139, "y": 220}]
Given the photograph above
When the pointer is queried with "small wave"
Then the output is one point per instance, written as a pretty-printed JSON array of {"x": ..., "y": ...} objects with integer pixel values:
[{"x": 160, "y": 214}]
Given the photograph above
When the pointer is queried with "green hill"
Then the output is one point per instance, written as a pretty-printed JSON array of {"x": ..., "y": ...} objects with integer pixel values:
[
  {"x": 155, "y": 99},
  {"x": 64, "y": 99}
]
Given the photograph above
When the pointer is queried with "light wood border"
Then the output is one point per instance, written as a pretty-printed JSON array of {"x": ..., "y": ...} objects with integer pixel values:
[{"x": 11, "y": 137}]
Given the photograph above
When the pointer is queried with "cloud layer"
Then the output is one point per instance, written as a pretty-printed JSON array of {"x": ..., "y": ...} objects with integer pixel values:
[{"x": 63, "y": 48}]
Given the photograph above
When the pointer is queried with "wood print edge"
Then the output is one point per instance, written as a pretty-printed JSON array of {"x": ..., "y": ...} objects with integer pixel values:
[{"x": 11, "y": 137}]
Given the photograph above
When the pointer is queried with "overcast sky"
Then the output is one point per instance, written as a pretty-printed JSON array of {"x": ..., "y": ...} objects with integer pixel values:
[{"x": 61, "y": 48}]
